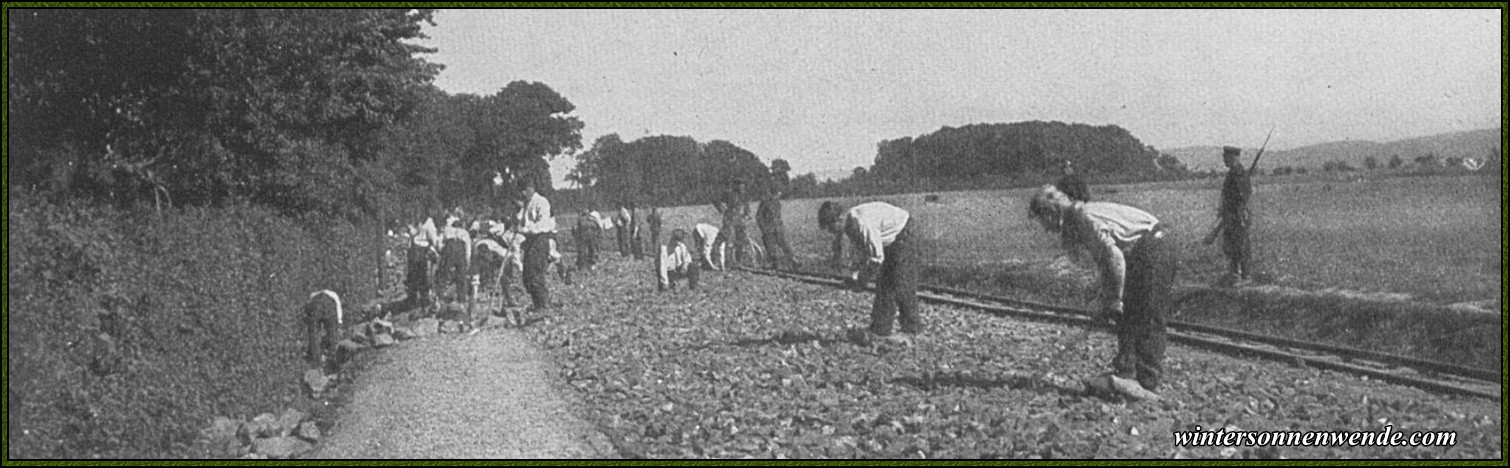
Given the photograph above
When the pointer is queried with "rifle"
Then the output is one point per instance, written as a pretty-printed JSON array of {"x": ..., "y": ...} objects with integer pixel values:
[{"x": 1260, "y": 154}]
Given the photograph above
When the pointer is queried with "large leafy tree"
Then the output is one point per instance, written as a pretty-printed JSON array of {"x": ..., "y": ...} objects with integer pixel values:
[
  {"x": 665, "y": 170},
  {"x": 450, "y": 151},
  {"x": 780, "y": 176},
  {"x": 276, "y": 106},
  {"x": 422, "y": 156},
  {"x": 81, "y": 81},
  {"x": 725, "y": 162},
  {"x": 518, "y": 130},
  {"x": 590, "y": 163}
]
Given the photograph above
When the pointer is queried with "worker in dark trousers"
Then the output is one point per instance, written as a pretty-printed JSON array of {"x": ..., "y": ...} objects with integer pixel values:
[
  {"x": 621, "y": 223},
  {"x": 1136, "y": 257},
  {"x": 636, "y": 233},
  {"x": 772, "y": 232},
  {"x": 653, "y": 221},
  {"x": 735, "y": 209},
  {"x": 322, "y": 320},
  {"x": 676, "y": 262},
  {"x": 587, "y": 233},
  {"x": 885, "y": 240},
  {"x": 422, "y": 257},
  {"x": 455, "y": 261},
  {"x": 538, "y": 228}
]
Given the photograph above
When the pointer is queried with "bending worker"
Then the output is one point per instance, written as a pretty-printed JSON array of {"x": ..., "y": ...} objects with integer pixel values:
[
  {"x": 885, "y": 238},
  {"x": 1135, "y": 255}
]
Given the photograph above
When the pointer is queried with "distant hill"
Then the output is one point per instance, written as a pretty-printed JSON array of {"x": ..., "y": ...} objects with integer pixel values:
[{"x": 1479, "y": 144}]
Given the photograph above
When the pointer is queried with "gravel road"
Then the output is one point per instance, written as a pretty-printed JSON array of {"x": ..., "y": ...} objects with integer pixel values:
[{"x": 486, "y": 395}]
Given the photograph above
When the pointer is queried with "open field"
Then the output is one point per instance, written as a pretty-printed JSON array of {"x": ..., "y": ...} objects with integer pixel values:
[
  {"x": 749, "y": 366},
  {"x": 1436, "y": 239},
  {"x": 1341, "y": 258}
]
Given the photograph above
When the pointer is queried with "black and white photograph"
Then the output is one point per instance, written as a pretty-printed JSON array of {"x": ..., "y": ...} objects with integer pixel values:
[{"x": 711, "y": 232}]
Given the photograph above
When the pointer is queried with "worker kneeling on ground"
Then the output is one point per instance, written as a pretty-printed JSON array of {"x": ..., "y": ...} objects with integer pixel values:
[
  {"x": 676, "y": 262},
  {"x": 1135, "y": 255}
]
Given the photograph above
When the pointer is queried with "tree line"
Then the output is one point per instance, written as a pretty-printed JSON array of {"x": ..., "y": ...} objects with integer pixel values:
[
  {"x": 1019, "y": 149},
  {"x": 996, "y": 156},
  {"x": 335, "y": 112},
  {"x": 306, "y": 111},
  {"x": 669, "y": 170}
]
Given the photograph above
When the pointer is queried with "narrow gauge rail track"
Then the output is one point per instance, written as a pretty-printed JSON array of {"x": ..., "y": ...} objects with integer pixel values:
[{"x": 1434, "y": 376}]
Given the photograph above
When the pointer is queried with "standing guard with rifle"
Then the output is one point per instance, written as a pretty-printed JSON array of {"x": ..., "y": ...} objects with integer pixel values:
[{"x": 1234, "y": 220}]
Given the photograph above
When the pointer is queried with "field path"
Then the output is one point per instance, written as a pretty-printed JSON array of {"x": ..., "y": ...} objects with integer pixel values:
[{"x": 484, "y": 395}]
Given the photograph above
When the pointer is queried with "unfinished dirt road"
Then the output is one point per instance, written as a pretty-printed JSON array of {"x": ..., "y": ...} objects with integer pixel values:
[{"x": 486, "y": 395}]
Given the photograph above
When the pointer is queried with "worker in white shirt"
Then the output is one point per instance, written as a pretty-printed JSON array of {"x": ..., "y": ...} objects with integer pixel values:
[
  {"x": 883, "y": 237},
  {"x": 513, "y": 244},
  {"x": 455, "y": 259},
  {"x": 322, "y": 327},
  {"x": 676, "y": 262},
  {"x": 422, "y": 256},
  {"x": 1136, "y": 257},
  {"x": 705, "y": 236},
  {"x": 490, "y": 259},
  {"x": 539, "y": 229}
]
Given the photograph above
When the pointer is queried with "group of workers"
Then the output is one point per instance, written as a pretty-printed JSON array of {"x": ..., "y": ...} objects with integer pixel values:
[
  {"x": 1134, "y": 253},
  {"x": 675, "y": 259},
  {"x": 453, "y": 262},
  {"x": 1132, "y": 250}
]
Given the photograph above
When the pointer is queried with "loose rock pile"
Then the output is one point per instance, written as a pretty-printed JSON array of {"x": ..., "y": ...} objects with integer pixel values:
[
  {"x": 293, "y": 432},
  {"x": 265, "y": 436}
]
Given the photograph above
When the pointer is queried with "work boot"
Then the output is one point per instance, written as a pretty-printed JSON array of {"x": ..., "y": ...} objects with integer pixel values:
[
  {"x": 1226, "y": 281},
  {"x": 1132, "y": 389},
  {"x": 859, "y": 336},
  {"x": 898, "y": 339},
  {"x": 1106, "y": 319},
  {"x": 1100, "y": 385}
]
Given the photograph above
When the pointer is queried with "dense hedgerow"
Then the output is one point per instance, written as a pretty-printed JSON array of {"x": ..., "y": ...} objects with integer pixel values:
[{"x": 129, "y": 330}]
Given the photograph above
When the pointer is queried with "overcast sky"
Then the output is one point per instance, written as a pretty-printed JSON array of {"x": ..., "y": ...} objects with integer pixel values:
[{"x": 820, "y": 88}]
